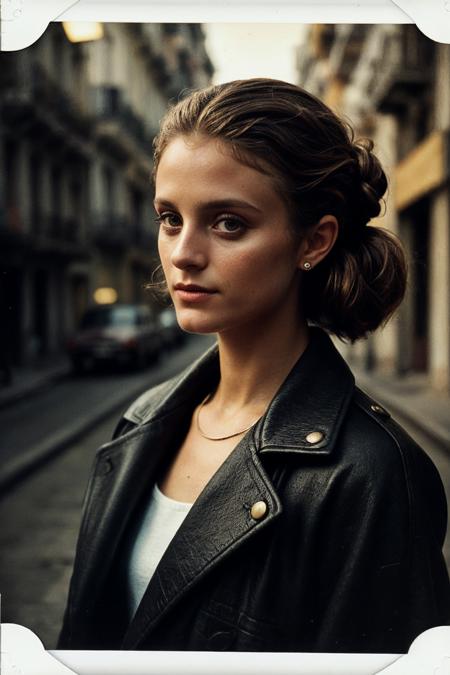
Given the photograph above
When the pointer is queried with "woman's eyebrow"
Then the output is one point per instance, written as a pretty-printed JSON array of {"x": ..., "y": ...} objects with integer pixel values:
[{"x": 216, "y": 204}]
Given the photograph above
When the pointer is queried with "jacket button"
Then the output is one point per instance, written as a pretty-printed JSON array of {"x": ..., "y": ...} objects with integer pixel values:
[
  {"x": 314, "y": 437},
  {"x": 379, "y": 410},
  {"x": 107, "y": 466},
  {"x": 258, "y": 510}
]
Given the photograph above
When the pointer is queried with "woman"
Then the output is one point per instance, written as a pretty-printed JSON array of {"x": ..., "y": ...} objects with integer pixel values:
[{"x": 260, "y": 501}]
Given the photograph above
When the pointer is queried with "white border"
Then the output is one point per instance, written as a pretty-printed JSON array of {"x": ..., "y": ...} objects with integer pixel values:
[
  {"x": 24, "y": 653},
  {"x": 300, "y": 11},
  {"x": 22, "y": 22}
]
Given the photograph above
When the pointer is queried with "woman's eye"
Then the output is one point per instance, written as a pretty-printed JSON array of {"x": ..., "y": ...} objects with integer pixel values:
[
  {"x": 229, "y": 225},
  {"x": 168, "y": 220},
  {"x": 224, "y": 224}
]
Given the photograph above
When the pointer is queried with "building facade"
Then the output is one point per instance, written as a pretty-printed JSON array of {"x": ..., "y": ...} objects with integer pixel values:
[
  {"x": 77, "y": 121},
  {"x": 393, "y": 84}
]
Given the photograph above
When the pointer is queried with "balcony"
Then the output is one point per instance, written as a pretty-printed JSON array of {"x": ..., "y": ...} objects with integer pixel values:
[
  {"x": 16, "y": 95},
  {"x": 346, "y": 49},
  {"x": 111, "y": 231},
  {"x": 143, "y": 237},
  {"x": 57, "y": 236},
  {"x": 59, "y": 228},
  {"x": 48, "y": 236},
  {"x": 37, "y": 106},
  {"x": 160, "y": 71},
  {"x": 404, "y": 85},
  {"x": 116, "y": 123},
  {"x": 409, "y": 72}
]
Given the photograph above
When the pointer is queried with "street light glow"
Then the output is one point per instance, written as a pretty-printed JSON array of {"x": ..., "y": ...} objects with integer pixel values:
[
  {"x": 83, "y": 31},
  {"x": 105, "y": 296}
]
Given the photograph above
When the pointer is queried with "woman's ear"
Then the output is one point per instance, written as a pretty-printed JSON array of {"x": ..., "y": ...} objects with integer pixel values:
[{"x": 318, "y": 242}]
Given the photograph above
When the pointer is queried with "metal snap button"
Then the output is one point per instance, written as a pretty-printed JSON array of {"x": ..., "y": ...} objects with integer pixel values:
[
  {"x": 314, "y": 437},
  {"x": 258, "y": 510},
  {"x": 107, "y": 466},
  {"x": 379, "y": 410}
]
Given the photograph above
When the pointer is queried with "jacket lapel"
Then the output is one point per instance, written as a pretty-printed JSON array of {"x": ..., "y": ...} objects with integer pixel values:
[
  {"x": 306, "y": 414},
  {"x": 217, "y": 524},
  {"x": 123, "y": 470},
  {"x": 126, "y": 468}
]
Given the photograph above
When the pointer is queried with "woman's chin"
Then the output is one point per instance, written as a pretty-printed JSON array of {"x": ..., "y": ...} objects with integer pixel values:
[{"x": 196, "y": 324}]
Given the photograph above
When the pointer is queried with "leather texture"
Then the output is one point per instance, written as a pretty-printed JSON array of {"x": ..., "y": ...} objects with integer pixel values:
[{"x": 348, "y": 557}]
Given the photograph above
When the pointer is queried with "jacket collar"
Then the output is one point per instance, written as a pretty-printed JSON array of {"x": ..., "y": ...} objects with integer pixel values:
[{"x": 313, "y": 398}]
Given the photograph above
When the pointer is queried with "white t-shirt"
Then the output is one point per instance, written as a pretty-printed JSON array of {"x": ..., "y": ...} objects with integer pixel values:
[{"x": 156, "y": 529}]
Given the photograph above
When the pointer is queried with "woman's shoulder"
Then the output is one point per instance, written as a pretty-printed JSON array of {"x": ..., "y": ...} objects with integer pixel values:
[
  {"x": 375, "y": 434},
  {"x": 372, "y": 438},
  {"x": 382, "y": 455},
  {"x": 376, "y": 477}
]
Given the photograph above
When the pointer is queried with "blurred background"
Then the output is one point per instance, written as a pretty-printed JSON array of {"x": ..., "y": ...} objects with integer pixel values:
[{"x": 80, "y": 333}]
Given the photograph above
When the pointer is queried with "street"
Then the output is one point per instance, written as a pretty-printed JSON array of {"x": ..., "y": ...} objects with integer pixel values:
[
  {"x": 40, "y": 514},
  {"x": 44, "y": 423}
]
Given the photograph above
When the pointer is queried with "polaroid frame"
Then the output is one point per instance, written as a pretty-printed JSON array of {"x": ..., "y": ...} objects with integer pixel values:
[{"x": 22, "y": 22}]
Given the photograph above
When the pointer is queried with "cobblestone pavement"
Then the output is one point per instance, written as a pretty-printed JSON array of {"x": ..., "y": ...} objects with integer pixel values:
[{"x": 39, "y": 523}]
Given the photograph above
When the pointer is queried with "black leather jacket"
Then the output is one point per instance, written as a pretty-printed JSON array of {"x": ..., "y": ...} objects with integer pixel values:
[{"x": 347, "y": 557}]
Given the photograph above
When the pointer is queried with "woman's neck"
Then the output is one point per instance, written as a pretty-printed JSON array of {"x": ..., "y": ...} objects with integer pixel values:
[{"x": 253, "y": 367}]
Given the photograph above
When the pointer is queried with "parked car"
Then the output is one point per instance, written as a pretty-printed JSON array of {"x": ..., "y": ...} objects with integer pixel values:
[{"x": 126, "y": 335}]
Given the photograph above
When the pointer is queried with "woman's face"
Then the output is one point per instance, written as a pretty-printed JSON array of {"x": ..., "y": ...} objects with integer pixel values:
[{"x": 225, "y": 244}]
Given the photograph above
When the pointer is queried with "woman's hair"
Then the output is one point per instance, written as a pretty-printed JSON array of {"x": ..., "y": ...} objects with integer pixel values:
[{"x": 318, "y": 167}]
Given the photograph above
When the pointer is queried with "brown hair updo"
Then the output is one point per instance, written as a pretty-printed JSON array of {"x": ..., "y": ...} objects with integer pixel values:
[{"x": 285, "y": 132}]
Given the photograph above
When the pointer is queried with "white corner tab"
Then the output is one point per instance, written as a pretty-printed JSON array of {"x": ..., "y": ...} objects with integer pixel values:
[
  {"x": 429, "y": 654},
  {"x": 432, "y": 17},
  {"x": 22, "y": 22},
  {"x": 24, "y": 654}
]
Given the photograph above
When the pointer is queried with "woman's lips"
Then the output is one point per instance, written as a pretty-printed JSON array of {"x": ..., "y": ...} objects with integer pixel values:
[{"x": 193, "y": 294}]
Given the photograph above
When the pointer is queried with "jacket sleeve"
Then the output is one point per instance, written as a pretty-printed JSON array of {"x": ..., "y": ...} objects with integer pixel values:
[
  {"x": 428, "y": 581},
  {"x": 123, "y": 426},
  {"x": 391, "y": 584}
]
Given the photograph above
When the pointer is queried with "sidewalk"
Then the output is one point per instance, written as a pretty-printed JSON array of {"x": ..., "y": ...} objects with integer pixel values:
[
  {"x": 31, "y": 379},
  {"x": 410, "y": 398}
]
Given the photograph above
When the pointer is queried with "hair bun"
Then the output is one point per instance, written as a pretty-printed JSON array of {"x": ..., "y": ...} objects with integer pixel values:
[
  {"x": 356, "y": 291},
  {"x": 373, "y": 179}
]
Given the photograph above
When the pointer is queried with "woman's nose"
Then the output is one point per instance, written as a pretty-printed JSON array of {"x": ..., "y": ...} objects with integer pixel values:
[{"x": 189, "y": 249}]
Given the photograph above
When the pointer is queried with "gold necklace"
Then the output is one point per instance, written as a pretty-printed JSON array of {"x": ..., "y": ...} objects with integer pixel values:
[{"x": 216, "y": 438}]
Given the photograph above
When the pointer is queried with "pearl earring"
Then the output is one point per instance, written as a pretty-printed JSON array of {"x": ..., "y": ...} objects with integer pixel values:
[{"x": 306, "y": 265}]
